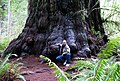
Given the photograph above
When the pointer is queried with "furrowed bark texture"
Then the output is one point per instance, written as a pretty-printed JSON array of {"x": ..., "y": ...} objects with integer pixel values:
[{"x": 51, "y": 21}]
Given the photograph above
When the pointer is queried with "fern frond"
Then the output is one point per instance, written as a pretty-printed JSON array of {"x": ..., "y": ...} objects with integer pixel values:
[{"x": 59, "y": 73}]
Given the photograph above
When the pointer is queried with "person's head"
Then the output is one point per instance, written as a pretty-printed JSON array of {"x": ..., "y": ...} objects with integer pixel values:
[{"x": 64, "y": 42}]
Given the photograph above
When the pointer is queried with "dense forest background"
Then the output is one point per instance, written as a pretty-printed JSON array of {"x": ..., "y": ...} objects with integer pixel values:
[{"x": 12, "y": 17}]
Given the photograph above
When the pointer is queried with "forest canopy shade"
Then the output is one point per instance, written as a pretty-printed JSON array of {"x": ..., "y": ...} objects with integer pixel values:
[{"x": 51, "y": 21}]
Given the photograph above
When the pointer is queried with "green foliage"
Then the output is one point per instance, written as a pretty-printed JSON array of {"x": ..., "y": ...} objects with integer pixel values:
[
  {"x": 106, "y": 70},
  {"x": 110, "y": 13},
  {"x": 83, "y": 64},
  {"x": 59, "y": 73},
  {"x": 115, "y": 6},
  {"x": 112, "y": 28},
  {"x": 18, "y": 10},
  {"x": 84, "y": 70},
  {"x": 103, "y": 70},
  {"x": 4, "y": 43},
  {"x": 19, "y": 15},
  {"x": 10, "y": 71},
  {"x": 4, "y": 66},
  {"x": 3, "y": 11},
  {"x": 90, "y": 70},
  {"x": 112, "y": 46}
]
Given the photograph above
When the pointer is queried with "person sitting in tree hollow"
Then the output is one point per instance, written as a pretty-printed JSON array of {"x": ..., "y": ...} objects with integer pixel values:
[{"x": 65, "y": 55}]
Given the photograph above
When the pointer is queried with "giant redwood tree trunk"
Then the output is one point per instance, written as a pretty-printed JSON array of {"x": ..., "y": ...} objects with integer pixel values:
[{"x": 51, "y": 21}]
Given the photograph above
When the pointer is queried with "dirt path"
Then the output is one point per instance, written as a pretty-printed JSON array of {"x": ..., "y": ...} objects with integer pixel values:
[{"x": 35, "y": 71}]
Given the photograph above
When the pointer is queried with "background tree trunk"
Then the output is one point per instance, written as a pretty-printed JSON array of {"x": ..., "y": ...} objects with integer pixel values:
[
  {"x": 51, "y": 21},
  {"x": 9, "y": 19}
]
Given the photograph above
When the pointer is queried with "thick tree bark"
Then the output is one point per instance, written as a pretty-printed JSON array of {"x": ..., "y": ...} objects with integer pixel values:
[{"x": 51, "y": 21}]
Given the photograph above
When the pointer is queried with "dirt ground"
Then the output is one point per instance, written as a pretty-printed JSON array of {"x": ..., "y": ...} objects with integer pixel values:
[{"x": 35, "y": 71}]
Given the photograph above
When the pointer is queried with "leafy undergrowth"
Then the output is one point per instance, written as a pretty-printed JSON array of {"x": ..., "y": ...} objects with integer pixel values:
[
  {"x": 10, "y": 71},
  {"x": 89, "y": 70},
  {"x": 102, "y": 70},
  {"x": 4, "y": 43},
  {"x": 112, "y": 48}
]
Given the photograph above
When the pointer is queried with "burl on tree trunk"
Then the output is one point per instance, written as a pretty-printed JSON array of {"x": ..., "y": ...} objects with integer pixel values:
[{"x": 51, "y": 21}]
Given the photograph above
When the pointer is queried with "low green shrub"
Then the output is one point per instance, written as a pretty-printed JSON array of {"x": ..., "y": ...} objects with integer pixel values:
[
  {"x": 4, "y": 43},
  {"x": 83, "y": 70},
  {"x": 10, "y": 71},
  {"x": 89, "y": 70},
  {"x": 103, "y": 70},
  {"x": 113, "y": 46}
]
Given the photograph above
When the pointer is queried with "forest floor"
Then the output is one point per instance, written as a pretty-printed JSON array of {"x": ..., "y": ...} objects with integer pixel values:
[{"x": 35, "y": 71}]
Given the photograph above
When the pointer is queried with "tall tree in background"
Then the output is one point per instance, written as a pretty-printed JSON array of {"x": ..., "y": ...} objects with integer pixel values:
[
  {"x": 51, "y": 21},
  {"x": 2, "y": 15},
  {"x": 9, "y": 18}
]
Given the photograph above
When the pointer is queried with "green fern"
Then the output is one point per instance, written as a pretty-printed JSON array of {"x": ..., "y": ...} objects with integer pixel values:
[
  {"x": 84, "y": 70},
  {"x": 4, "y": 66},
  {"x": 107, "y": 70},
  {"x": 10, "y": 70},
  {"x": 59, "y": 73},
  {"x": 83, "y": 64},
  {"x": 112, "y": 46},
  {"x": 103, "y": 70}
]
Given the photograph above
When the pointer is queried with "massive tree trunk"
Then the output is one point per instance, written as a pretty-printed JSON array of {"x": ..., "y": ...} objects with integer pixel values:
[{"x": 51, "y": 21}]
